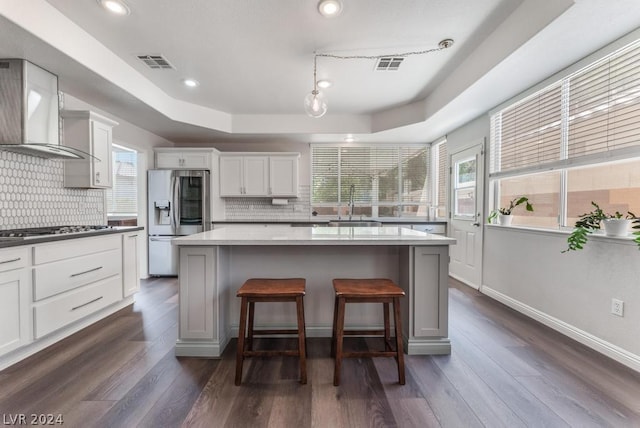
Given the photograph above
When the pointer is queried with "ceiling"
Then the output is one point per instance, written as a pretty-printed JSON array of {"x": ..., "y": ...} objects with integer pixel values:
[{"x": 254, "y": 61}]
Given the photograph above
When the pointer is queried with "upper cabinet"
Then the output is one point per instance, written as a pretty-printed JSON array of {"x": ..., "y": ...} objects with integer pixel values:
[
  {"x": 259, "y": 175},
  {"x": 283, "y": 175},
  {"x": 91, "y": 133},
  {"x": 182, "y": 158}
]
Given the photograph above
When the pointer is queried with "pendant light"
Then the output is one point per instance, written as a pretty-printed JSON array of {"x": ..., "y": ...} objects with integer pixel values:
[{"x": 314, "y": 103}]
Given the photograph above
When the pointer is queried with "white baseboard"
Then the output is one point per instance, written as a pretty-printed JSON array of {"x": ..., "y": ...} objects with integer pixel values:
[{"x": 615, "y": 352}]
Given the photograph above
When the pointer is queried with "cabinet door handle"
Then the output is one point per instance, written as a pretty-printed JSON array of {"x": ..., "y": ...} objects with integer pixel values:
[
  {"x": 97, "y": 177},
  {"x": 10, "y": 261},
  {"x": 88, "y": 303},
  {"x": 86, "y": 271}
]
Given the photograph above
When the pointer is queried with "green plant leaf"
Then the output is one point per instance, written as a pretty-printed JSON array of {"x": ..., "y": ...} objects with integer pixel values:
[{"x": 577, "y": 239}]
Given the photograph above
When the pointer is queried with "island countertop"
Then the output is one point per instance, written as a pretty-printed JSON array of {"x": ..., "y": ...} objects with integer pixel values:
[{"x": 286, "y": 235}]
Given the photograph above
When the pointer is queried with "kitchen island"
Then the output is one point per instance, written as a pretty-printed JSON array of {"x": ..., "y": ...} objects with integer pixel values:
[{"x": 214, "y": 264}]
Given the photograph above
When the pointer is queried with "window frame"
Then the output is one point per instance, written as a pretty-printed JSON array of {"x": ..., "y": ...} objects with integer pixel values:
[
  {"x": 375, "y": 204},
  {"x": 565, "y": 161},
  {"x": 111, "y": 214}
]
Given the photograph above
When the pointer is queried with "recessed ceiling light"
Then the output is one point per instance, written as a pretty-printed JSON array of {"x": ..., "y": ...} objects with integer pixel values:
[
  {"x": 324, "y": 84},
  {"x": 118, "y": 7},
  {"x": 349, "y": 139},
  {"x": 330, "y": 8},
  {"x": 191, "y": 83}
]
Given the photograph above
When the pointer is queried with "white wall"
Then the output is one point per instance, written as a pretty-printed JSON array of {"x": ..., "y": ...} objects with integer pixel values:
[{"x": 570, "y": 292}]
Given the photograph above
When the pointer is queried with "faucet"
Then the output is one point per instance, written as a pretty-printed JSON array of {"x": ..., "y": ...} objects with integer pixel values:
[{"x": 352, "y": 190}]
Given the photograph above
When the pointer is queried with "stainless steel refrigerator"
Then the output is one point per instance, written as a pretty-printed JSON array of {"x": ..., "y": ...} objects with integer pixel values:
[{"x": 178, "y": 205}]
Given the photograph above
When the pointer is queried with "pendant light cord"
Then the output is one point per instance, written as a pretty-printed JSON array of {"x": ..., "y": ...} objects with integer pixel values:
[{"x": 444, "y": 44}]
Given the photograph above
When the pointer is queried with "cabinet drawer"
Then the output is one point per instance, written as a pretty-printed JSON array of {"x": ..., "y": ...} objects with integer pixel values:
[
  {"x": 53, "y": 251},
  {"x": 56, "y": 278},
  {"x": 63, "y": 309},
  {"x": 14, "y": 258}
]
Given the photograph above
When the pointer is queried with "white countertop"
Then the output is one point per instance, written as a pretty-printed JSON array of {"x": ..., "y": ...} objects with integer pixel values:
[{"x": 287, "y": 235}]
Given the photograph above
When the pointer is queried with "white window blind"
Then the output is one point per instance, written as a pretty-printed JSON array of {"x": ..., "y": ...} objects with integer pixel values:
[
  {"x": 122, "y": 198},
  {"x": 379, "y": 175},
  {"x": 604, "y": 105},
  {"x": 594, "y": 110}
]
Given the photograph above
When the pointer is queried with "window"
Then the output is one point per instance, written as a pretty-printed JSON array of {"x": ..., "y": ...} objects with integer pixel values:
[
  {"x": 573, "y": 142},
  {"x": 122, "y": 198},
  {"x": 464, "y": 189},
  {"x": 382, "y": 181},
  {"x": 439, "y": 170}
]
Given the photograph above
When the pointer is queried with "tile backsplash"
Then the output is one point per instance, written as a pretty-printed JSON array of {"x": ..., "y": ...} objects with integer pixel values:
[
  {"x": 262, "y": 209},
  {"x": 32, "y": 195}
]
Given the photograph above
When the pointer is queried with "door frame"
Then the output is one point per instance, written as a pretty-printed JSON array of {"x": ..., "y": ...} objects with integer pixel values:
[{"x": 478, "y": 221}]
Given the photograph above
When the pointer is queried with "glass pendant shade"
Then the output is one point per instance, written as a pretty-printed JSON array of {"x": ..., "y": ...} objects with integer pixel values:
[{"x": 314, "y": 104}]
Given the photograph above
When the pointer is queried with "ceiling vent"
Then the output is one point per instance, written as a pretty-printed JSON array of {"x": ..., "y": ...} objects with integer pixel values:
[
  {"x": 389, "y": 63},
  {"x": 156, "y": 62}
]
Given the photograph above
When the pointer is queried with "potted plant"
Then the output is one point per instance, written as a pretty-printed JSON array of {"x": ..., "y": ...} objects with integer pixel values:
[
  {"x": 504, "y": 214},
  {"x": 615, "y": 224}
]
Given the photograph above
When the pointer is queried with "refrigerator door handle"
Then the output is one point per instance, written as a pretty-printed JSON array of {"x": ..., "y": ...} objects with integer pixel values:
[{"x": 175, "y": 219}]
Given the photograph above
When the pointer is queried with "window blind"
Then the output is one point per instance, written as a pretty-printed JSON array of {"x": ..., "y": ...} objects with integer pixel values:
[
  {"x": 442, "y": 174},
  {"x": 595, "y": 110},
  {"x": 379, "y": 175},
  {"x": 122, "y": 198},
  {"x": 529, "y": 132},
  {"x": 604, "y": 105}
]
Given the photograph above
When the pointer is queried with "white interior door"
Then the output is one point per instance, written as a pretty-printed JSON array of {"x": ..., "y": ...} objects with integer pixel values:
[{"x": 467, "y": 200}]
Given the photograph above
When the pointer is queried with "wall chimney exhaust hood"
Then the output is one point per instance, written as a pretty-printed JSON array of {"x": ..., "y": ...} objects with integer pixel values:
[{"x": 29, "y": 112}]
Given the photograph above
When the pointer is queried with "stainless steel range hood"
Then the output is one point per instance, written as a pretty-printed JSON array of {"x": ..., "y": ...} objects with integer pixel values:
[{"x": 29, "y": 116}]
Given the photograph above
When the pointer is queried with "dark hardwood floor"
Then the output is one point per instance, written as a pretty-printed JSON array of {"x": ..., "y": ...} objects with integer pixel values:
[{"x": 505, "y": 371}]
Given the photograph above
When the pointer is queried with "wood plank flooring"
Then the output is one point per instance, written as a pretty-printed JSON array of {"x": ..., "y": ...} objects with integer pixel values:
[{"x": 505, "y": 371}]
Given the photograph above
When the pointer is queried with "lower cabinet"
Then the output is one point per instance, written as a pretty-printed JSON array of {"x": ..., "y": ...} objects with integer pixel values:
[
  {"x": 66, "y": 308},
  {"x": 14, "y": 309},
  {"x": 49, "y": 286},
  {"x": 130, "y": 269},
  {"x": 73, "y": 279}
]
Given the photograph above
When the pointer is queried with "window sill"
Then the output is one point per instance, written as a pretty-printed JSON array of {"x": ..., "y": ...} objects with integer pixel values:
[{"x": 598, "y": 235}]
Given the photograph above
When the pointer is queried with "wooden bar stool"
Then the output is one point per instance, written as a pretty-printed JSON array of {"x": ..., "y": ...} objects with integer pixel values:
[
  {"x": 367, "y": 291},
  {"x": 270, "y": 290}
]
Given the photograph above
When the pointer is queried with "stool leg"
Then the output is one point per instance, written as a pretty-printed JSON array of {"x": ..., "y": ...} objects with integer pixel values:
[
  {"x": 302, "y": 351},
  {"x": 399, "y": 349},
  {"x": 250, "y": 334},
  {"x": 387, "y": 329},
  {"x": 339, "y": 340},
  {"x": 335, "y": 324},
  {"x": 241, "y": 329}
]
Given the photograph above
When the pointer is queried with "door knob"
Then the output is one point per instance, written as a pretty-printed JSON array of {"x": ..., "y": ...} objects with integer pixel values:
[{"x": 476, "y": 224}]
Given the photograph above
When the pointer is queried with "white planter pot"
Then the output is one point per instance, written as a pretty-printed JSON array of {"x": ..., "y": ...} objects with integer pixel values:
[
  {"x": 616, "y": 226},
  {"x": 505, "y": 220}
]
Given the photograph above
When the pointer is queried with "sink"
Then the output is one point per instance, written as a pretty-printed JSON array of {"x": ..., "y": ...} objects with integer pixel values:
[{"x": 354, "y": 223}]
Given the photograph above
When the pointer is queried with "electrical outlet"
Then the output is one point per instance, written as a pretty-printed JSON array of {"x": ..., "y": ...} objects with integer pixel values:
[{"x": 617, "y": 307}]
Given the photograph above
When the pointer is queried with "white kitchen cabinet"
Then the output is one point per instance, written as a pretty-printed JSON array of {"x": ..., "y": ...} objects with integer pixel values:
[
  {"x": 170, "y": 158},
  {"x": 283, "y": 176},
  {"x": 93, "y": 134},
  {"x": 73, "y": 279},
  {"x": 14, "y": 299},
  {"x": 130, "y": 265},
  {"x": 259, "y": 175},
  {"x": 244, "y": 176}
]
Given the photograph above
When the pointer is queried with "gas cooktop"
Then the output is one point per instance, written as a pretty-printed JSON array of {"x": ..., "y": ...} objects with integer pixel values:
[{"x": 35, "y": 232}]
